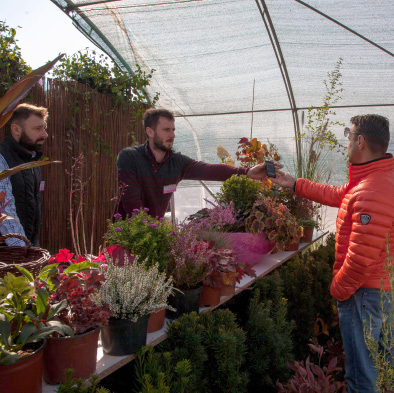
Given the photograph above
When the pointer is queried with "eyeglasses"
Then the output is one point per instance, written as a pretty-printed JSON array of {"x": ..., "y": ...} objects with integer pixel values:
[{"x": 347, "y": 131}]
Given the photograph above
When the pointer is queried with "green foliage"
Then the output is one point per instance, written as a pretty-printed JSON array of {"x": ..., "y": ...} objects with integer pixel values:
[
  {"x": 268, "y": 336},
  {"x": 99, "y": 75},
  {"x": 79, "y": 385},
  {"x": 185, "y": 340},
  {"x": 216, "y": 348},
  {"x": 225, "y": 343},
  {"x": 149, "y": 238},
  {"x": 156, "y": 373},
  {"x": 242, "y": 191},
  {"x": 12, "y": 65},
  {"x": 26, "y": 315},
  {"x": 316, "y": 142},
  {"x": 306, "y": 282},
  {"x": 382, "y": 352}
]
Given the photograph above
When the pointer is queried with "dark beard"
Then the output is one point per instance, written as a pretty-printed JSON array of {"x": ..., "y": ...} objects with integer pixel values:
[
  {"x": 161, "y": 147},
  {"x": 28, "y": 145}
]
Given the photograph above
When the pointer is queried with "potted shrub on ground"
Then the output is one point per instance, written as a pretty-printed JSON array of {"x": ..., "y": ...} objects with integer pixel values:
[
  {"x": 76, "y": 282},
  {"x": 132, "y": 292},
  {"x": 26, "y": 319}
]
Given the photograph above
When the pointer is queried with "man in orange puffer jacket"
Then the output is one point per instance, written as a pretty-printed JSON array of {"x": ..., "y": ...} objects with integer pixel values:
[{"x": 365, "y": 218}]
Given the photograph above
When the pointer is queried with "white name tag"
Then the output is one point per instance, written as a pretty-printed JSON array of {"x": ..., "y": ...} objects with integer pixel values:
[
  {"x": 170, "y": 188},
  {"x": 42, "y": 185}
]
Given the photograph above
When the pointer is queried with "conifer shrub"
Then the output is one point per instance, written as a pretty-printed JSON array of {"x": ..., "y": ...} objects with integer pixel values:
[
  {"x": 216, "y": 348},
  {"x": 296, "y": 276},
  {"x": 156, "y": 372},
  {"x": 268, "y": 338}
]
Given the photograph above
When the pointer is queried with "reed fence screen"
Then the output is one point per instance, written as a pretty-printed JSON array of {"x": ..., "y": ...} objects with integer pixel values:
[{"x": 86, "y": 131}]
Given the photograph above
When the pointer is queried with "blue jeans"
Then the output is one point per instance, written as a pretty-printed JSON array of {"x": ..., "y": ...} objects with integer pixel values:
[{"x": 355, "y": 313}]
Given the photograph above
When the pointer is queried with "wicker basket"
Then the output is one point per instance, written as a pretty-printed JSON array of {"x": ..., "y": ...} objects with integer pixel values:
[{"x": 31, "y": 258}]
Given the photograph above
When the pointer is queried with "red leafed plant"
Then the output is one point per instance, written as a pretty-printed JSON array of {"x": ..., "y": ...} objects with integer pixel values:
[
  {"x": 76, "y": 280},
  {"x": 253, "y": 152},
  {"x": 224, "y": 269},
  {"x": 310, "y": 377}
]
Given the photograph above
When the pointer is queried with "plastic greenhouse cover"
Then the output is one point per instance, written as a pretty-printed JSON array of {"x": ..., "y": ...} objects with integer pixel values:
[{"x": 208, "y": 55}]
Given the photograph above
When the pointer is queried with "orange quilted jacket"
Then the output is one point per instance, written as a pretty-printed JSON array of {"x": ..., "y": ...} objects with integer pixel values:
[{"x": 365, "y": 218}]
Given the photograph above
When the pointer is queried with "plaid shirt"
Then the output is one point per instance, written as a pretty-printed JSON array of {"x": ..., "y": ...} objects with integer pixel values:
[{"x": 10, "y": 226}]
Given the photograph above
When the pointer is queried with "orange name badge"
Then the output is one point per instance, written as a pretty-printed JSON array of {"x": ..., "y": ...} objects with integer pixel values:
[{"x": 169, "y": 188}]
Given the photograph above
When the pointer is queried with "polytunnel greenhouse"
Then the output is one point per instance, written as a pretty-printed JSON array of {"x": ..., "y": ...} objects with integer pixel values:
[{"x": 241, "y": 68}]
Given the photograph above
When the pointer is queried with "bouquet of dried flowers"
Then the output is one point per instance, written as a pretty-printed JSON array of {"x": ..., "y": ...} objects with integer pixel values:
[
  {"x": 275, "y": 220},
  {"x": 134, "y": 289}
]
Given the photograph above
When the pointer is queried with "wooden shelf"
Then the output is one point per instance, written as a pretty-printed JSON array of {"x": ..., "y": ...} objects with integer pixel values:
[{"x": 107, "y": 364}]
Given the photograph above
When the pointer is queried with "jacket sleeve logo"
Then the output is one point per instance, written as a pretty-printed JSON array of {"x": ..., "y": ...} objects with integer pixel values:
[{"x": 365, "y": 218}]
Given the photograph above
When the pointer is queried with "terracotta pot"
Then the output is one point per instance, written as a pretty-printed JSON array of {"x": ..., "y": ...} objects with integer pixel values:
[
  {"x": 227, "y": 290},
  {"x": 210, "y": 296},
  {"x": 156, "y": 321},
  {"x": 308, "y": 234},
  {"x": 25, "y": 376},
  {"x": 294, "y": 246},
  {"x": 78, "y": 352},
  {"x": 123, "y": 337},
  {"x": 184, "y": 302}
]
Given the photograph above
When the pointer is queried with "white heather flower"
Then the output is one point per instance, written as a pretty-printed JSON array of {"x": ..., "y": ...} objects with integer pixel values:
[{"x": 133, "y": 290}]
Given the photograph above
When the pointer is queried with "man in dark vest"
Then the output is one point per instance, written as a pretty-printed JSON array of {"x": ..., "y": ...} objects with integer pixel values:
[{"x": 26, "y": 134}]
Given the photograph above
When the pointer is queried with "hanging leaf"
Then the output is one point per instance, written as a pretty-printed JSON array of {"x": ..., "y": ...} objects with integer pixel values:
[{"x": 19, "y": 90}]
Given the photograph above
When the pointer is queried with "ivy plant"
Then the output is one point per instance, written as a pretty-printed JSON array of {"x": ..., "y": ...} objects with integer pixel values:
[{"x": 12, "y": 65}]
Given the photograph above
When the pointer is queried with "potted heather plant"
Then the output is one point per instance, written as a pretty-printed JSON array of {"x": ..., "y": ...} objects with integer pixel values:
[
  {"x": 26, "y": 320},
  {"x": 141, "y": 235},
  {"x": 275, "y": 221},
  {"x": 188, "y": 266},
  {"x": 132, "y": 292},
  {"x": 75, "y": 280}
]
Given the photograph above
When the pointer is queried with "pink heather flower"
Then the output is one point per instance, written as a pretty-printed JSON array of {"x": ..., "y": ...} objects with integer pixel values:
[
  {"x": 117, "y": 215},
  {"x": 153, "y": 225},
  {"x": 119, "y": 229}
]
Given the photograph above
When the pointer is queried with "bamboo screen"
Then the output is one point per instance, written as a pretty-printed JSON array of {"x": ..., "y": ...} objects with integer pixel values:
[{"x": 81, "y": 121}]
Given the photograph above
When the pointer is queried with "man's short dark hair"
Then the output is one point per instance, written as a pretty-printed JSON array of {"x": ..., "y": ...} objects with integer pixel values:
[
  {"x": 24, "y": 111},
  {"x": 375, "y": 129},
  {"x": 151, "y": 117}
]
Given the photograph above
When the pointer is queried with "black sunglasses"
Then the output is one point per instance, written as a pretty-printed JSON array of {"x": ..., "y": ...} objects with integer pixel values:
[{"x": 347, "y": 131}]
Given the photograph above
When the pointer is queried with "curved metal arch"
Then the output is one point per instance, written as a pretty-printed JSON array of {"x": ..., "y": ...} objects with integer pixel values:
[{"x": 283, "y": 69}]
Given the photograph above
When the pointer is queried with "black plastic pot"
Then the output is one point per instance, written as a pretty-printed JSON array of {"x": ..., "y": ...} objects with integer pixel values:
[
  {"x": 184, "y": 302},
  {"x": 123, "y": 337}
]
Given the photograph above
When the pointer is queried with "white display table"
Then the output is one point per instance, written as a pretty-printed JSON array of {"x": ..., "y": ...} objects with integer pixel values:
[{"x": 107, "y": 364}]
